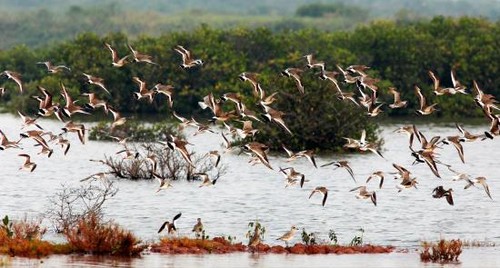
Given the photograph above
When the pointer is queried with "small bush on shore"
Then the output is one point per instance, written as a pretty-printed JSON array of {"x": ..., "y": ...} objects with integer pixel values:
[
  {"x": 24, "y": 238},
  {"x": 91, "y": 235},
  {"x": 444, "y": 251}
]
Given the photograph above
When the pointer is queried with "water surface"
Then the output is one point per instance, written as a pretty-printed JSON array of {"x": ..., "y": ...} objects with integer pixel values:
[{"x": 246, "y": 193}]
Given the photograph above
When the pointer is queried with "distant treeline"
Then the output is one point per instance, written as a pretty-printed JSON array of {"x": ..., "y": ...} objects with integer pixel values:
[{"x": 38, "y": 23}]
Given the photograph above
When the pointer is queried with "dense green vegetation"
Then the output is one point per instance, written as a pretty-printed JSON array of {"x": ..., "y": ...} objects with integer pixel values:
[{"x": 399, "y": 54}]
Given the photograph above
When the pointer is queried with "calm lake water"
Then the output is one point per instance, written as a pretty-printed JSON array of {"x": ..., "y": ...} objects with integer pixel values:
[{"x": 246, "y": 193}]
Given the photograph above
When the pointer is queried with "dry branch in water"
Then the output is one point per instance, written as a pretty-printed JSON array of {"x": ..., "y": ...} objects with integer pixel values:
[
  {"x": 71, "y": 204},
  {"x": 169, "y": 164}
]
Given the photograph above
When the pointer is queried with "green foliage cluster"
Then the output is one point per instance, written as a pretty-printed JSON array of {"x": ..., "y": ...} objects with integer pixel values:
[
  {"x": 134, "y": 131},
  {"x": 308, "y": 238},
  {"x": 357, "y": 240}
]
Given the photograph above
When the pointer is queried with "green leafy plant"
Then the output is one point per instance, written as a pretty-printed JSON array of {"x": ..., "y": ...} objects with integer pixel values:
[
  {"x": 231, "y": 239},
  {"x": 203, "y": 236},
  {"x": 7, "y": 226},
  {"x": 308, "y": 238},
  {"x": 358, "y": 239},
  {"x": 333, "y": 237},
  {"x": 255, "y": 227}
]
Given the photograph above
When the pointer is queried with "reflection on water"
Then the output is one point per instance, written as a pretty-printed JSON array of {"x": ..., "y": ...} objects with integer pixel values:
[
  {"x": 247, "y": 192},
  {"x": 475, "y": 257}
]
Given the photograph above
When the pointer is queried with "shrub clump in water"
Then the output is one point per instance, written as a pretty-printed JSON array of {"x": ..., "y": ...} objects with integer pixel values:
[{"x": 444, "y": 251}]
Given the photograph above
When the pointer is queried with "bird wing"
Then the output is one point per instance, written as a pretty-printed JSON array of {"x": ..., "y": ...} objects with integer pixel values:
[
  {"x": 349, "y": 169},
  {"x": 325, "y": 196},
  {"x": 421, "y": 97},
  {"x": 114, "y": 55},
  {"x": 460, "y": 150},
  {"x": 486, "y": 189},
  {"x": 435, "y": 80},
  {"x": 280, "y": 122},
  {"x": 373, "y": 197},
  {"x": 312, "y": 160},
  {"x": 449, "y": 199},
  {"x": 429, "y": 160},
  {"x": 290, "y": 153},
  {"x": 363, "y": 136},
  {"x": 163, "y": 226},
  {"x": 176, "y": 217}
]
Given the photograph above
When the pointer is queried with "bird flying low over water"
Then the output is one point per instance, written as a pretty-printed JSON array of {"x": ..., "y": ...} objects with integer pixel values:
[
  {"x": 206, "y": 179},
  {"x": 309, "y": 154},
  {"x": 28, "y": 121},
  {"x": 440, "y": 192},
  {"x": 28, "y": 165},
  {"x": 411, "y": 131},
  {"x": 293, "y": 176},
  {"x": 171, "y": 229},
  {"x": 5, "y": 143},
  {"x": 455, "y": 140},
  {"x": 479, "y": 180},
  {"x": 320, "y": 189},
  {"x": 379, "y": 175},
  {"x": 364, "y": 194},
  {"x": 404, "y": 174},
  {"x": 259, "y": 150},
  {"x": 467, "y": 136},
  {"x": 163, "y": 182},
  {"x": 75, "y": 128},
  {"x": 342, "y": 164}
]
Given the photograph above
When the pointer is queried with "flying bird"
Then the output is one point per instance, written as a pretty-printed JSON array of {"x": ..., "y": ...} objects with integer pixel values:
[
  {"x": 440, "y": 192},
  {"x": 187, "y": 60},
  {"x": 320, "y": 189}
]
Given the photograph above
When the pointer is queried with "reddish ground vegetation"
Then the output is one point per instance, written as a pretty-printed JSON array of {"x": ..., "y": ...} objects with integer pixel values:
[
  {"x": 24, "y": 238},
  {"x": 444, "y": 251},
  {"x": 217, "y": 245},
  {"x": 220, "y": 245},
  {"x": 300, "y": 248},
  {"x": 92, "y": 236}
]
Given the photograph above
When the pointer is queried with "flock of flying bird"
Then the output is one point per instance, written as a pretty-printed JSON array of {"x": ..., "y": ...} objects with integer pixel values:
[{"x": 353, "y": 75}]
